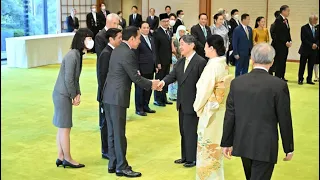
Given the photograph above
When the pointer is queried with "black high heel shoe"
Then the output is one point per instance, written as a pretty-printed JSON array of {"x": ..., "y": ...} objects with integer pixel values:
[
  {"x": 68, "y": 164},
  {"x": 58, "y": 162}
]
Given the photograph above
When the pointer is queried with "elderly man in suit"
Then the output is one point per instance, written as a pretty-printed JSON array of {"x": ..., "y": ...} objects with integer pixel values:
[
  {"x": 282, "y": 42},
  {"x": 162, "y": 41},
  {"x": 201, "y": 32},
  {"x": 153, "y": 20},
  {"x": 187, "y": 72},
  {"x": 123, "y": 70},
  {"x": 101, "y": 40},
  {"x": 308, "y": 49},
  {"x": 250, "y": 128},
  {"x": 242, "y": 44},
  {"x": 72, "y": 21},
  {"x": 146, "y": 57},
  {"x": 135, "y": 19},
  {"x": 114, "y": 37}
]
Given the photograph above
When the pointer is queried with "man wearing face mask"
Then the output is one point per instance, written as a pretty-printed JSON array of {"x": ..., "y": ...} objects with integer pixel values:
[
  {"x": 172, "y": 22},
  {"x": 103, "y": 14},
  {"x": 93, "y": 23},
  {"x": 72, "y": 21},
  {"x": 179, "y": 21},
  {"x": 234, "y": 22}
]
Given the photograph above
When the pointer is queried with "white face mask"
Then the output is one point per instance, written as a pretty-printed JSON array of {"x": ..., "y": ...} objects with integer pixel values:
[
  {"x": 227, "y": 16},
  {"x": 172, "y": 22},
  {"x": 103, "y": 8},
  {"x": 236, "y": 17},
  {"x": 90, "y": 44},
  {"x": 182, "y": 16},
  {"x": 94, "y": 10}
]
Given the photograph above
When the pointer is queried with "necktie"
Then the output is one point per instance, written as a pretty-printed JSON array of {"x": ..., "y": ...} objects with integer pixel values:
[
  {"x": 148, "y": 41},
  {"x": 286, "y": 20},
  {"x": 167, "y": 32},
  {"x": 186, "y": 64},
  {"x": 205, "y": 32},
  {"x": 134, "y": 17},
  {"x": 313, "y": 31},
  {"x": 247, "y": 32},
  {"x": 152, "y": 17}
]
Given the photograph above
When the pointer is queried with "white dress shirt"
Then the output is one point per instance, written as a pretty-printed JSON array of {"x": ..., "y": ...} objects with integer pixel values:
[
  {"x": 94, "y": 16},
  {"x": 111, "y": 45},
  {"x": 127, "y": 44},
  {"x": 259, "y": 67},
  {"x": 188, "y": 59}
]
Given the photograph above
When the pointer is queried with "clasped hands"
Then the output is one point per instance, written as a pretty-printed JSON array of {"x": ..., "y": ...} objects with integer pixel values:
[
  {"x": 76, "y": 100},
  {"x": 157, "y": 85}
]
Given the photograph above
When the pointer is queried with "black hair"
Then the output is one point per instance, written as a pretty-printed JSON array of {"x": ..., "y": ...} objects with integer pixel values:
[
  {"x": 202, "y": 14},
  {"x": 244, "y": 16},
  {"x": 216, "y": 16},
  {"x": 119, "y": 12},
  {"x": 179, "y": 11},
  {"x": 258, "y": 20},
  {"x": 79, "y": 37},
  {"x": 167, "y": 7},
  {"x": 143, "y": 22},
  {"x": 112, "y": 32},
  {"x": 234, "y": 11},
  {"x": 103, "y": 4},
  {"x": 135, "y": 7},
  {"x": 93, "y": 5},
  {"x": 152, "y": 8},
  {"x": 216, "y": 41},
  {"x": 276, "y": 14},
  {"x": 283, "y": 8},
  {"x": 130, "y": 31},
  {"x": 172, "y": 14}
]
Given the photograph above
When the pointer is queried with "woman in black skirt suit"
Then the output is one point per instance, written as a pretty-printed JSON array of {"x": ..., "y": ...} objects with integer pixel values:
[{"x": 67, "y": 93}]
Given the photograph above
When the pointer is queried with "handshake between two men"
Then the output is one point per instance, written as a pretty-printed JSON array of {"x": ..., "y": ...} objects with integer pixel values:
[{"x": 157, "y": 84}]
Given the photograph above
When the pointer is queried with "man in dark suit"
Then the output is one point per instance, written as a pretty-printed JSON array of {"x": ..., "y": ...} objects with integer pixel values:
[
  {"x": 72, "y": 21},
  {"x": 101, "y": 40},
  {"x": 250, "y": 129},
  {"x": 201, "y": 32},
  {"x": 123, "y": 70},
  {"x": 179, "y": 21},
  {"x": 168, "y": 10},
  {"x": 123, "y": 22},
  {"x": 187, "y": 72},
  {"x": 282, "y": 42},
  {"x": 234, "y": 22},
  {"x": 162, "y": 41},
  {"x": 273, "y": 36},
  {"x": 242, "y": 44},
  {"x": 146, "y": 57},
  {"x": 153, "y": 20},
  {"x": 93, "y": 21},
  {"x": 103, "y": 13},
  {"x": 114, "y": 37},
  {"x": 135, "y": 19},
  {"x": 308, "y": 49}
]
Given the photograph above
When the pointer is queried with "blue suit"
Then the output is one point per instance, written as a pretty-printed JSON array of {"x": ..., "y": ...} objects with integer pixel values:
[{"x": 242, "y": 46}]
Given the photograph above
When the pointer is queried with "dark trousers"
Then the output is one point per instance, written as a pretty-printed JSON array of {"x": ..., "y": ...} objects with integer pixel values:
[
  {"x": 103, "y": 130},
  {"x": 188, "y": 125},
  {"x": 272, "y": 69},
  {"x": 281, "y": 60},
  {"x": 230, "y": 58},
  {"x": 161, "y": 96},
  {"x": 257, "y": 170},
  {"x": 311, "y": 58},
  {"x": 242, "y": 65},
  {"x": 142, "y": 97},
  {"x": 117, "y": 141}
]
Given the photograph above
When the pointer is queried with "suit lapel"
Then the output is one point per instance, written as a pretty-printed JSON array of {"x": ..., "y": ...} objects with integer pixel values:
[
  {"x": 164, "y": 33},
  {"x": 145, "y": 42},
  {"x": 189, "y": 68},
  {"x": 202, "y": 34}
]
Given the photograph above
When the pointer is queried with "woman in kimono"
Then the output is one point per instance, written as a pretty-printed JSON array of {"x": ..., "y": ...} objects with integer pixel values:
[
  {"x": 212, "y": 90},
  {"x": 176, "y": 55}
]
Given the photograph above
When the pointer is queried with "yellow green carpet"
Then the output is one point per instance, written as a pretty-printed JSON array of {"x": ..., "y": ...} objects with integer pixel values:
[{"x": 28, "y": 146}]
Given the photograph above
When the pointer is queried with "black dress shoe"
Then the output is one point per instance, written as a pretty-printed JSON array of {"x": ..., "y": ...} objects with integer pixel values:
[
  {"x": 159, "y": 104},
  {"x": 300, "y": 82},
  {"x": 58, "y": 162},
  {"x": 179, "y": 161},
  {"x": 149, "y": 111},
  {"x": 168, "y": 102},
  {"x": 141, "y": 113},
  {"x": 310, "y": 82},
  {"x": 128, "y": 173},
  {"x": 105, "y": 156},
  {"x": 189, "y": 164},
  {"x": 111, "y": 170},
  {"x": 68, "y": 164}
]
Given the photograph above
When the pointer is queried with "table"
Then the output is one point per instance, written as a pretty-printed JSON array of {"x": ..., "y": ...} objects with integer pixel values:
[{"x": 40, "y": 50}]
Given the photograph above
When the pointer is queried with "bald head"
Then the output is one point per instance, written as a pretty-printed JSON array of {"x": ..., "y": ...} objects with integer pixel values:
[
  {"x": 263, "y": 54},
  {"x": 112, "y": 21},
  {"x": 313, "y": 19}
]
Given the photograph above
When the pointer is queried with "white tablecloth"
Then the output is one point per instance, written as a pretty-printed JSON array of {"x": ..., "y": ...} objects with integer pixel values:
[{"x": 33, "y": 51}]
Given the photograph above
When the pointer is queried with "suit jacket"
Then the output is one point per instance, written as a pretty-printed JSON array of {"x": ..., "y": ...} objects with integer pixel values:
[
  {"x": 241, "y": 44},
  {"x": 153, "y": 23},
  {"x": 103, "y": 68},
  {"x": 67, "y": 82},
  {"x": 137, "y": 22},
  {"x": 282, "y": 32},
  {"x": 233, "y": 24},
  {"x": 101, "y": 41},
  {"x": 93, "y": 25},
  {"x": 307, "y": 40},
  {"x": 163, "y": 47},
  {"x": 187, "y": 81},
  {"x": 252, "y": 117},
  {"x": 103, "y": 18},
  {"x": 272, "y": 33},
  {"x": 197, "y": 32},
  {"x": 176, "y": 25},
  {"x": 123, "y": 23},
  {"x": 123, "y": 70},
  {"x": 72, "y": 24},
  {"x": 146, "y": 57}
]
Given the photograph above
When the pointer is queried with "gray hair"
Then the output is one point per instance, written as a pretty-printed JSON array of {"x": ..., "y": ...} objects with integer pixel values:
[
  {"x": 263, "y": 53},
  {"x": 189, "y": 39},
  {"x": 312, "y": 16},
  {"x": 112, "y": 16}
]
